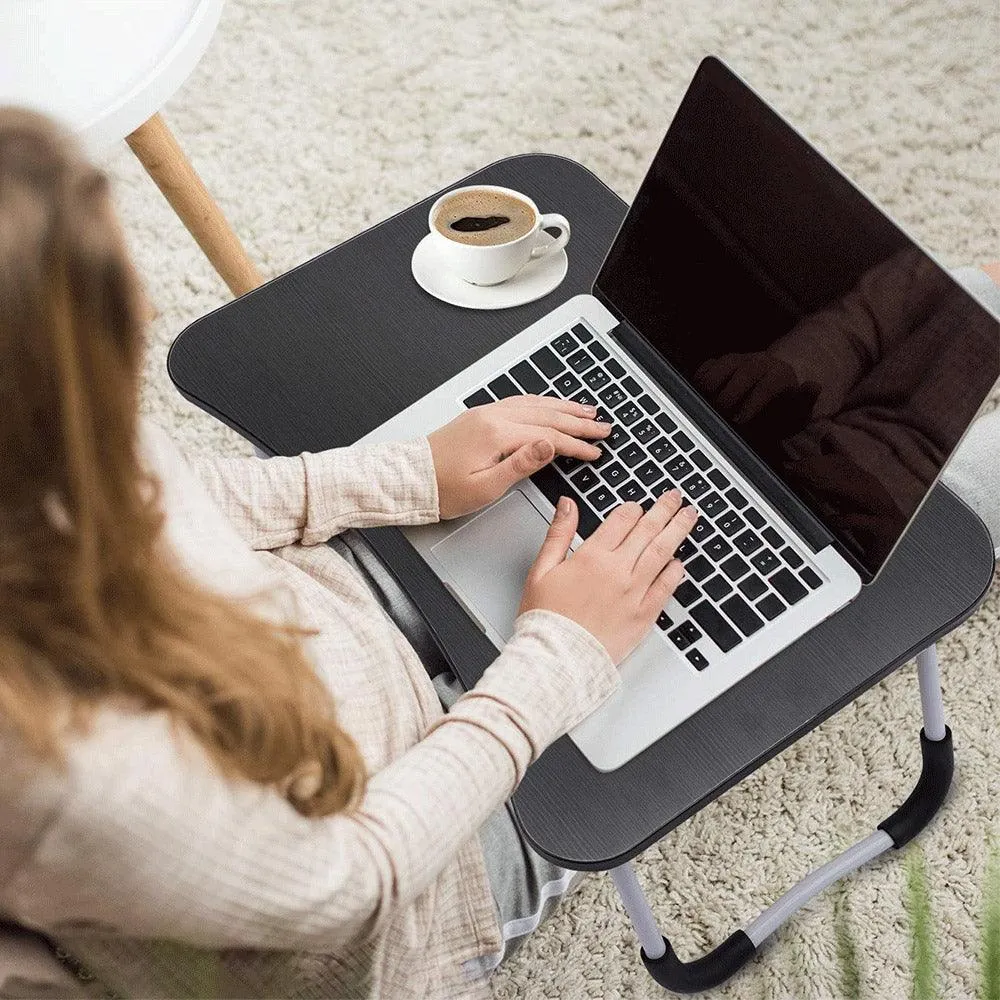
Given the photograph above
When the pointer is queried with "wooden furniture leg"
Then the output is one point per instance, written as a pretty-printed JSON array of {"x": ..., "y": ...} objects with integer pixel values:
[{"x": 159, "y": 152}]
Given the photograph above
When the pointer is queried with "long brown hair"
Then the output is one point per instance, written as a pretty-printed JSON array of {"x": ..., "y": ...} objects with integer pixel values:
[{"x": 92, "y": 606}]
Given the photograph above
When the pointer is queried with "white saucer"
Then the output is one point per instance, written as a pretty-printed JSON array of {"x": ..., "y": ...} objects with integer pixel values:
[{"x": 535, "y": 279}]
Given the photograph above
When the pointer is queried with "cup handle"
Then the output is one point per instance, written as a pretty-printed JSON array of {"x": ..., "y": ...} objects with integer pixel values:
[{"x": 553, "y": 221}]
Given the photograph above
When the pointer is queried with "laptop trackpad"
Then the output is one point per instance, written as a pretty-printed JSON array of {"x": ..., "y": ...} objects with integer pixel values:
[{"x": 487, "y": 560}]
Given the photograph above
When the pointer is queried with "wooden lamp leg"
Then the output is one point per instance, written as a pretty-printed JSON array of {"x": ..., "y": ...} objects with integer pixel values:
[{"x": 159, "y": 152}]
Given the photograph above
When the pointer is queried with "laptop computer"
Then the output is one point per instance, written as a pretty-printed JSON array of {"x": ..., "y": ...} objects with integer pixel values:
[{"x": 762, "y": 336}]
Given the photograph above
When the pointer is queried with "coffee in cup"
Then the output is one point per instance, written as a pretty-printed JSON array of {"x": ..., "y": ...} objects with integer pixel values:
[
  {"x": 485, "y": 234},
  {"x": 483, "y": 217}
]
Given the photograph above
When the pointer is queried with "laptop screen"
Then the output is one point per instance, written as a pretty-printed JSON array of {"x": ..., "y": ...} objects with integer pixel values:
[{"x": 831, "y": 344}]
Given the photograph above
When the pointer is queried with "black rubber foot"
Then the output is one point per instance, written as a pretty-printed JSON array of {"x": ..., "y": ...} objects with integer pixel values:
[
  {"x": 928, "y": 795},
  {"x": 704, "y": 973}
]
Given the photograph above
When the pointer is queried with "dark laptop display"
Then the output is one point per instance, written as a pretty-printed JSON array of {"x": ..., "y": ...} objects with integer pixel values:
[{"x": 836, "y": 348}]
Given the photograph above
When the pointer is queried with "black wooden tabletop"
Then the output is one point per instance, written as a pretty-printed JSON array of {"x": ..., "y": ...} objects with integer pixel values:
[{"x": 322, "y": 355}]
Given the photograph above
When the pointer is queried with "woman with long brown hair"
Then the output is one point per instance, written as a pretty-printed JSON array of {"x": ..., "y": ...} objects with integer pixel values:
[{"x": 219, "y": 752}]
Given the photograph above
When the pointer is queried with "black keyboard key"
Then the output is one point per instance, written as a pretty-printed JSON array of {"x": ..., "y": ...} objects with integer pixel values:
[
  {"x": 547, "y": 363},
  {"x": 666, "y": 423},
  {"x": 716, "y": 627},
  {"x": 754, "y": 516},
  {"x": 686, "y": 549},
  {"x": 580, "y": 361},
  {"x": 632, "y": 455},
  {"x": 765, "y": 562},
  {"x": 632, "y": 387},
  {"x": 689, "y": 629},
  {"x": 747, "y": 542},
  {"x": 568, "y": 464},
  {"x": 747, "y": 620},
  {"x": 683, "y": 441},
  {"x": 785, "y": 583},
  {"x": 529, "y": 379},
  {"x": 662, "y": 450},
  {"x": 737, "y": 499},
  {"x": 631, "y": 491},
  {"x": 695, "y": 486},
  {"x": 605, "y": 456},
  {"x": 603, "y": 416},
  {"x": 791, "y": 557},
  {"x": 614, "y": 474},
  {"x": 773, "y": 538},
  {"x": 699, "y": 568},
  {"x": 702, "y": 529},
  {"x": 553, "y": 486},
  {"x": 658, "y": 489},
  {"x": 566, "y": 384},
  {"x": 680, "y": 638},
  {"x": 584, "y": 397},
  {"x": 583, "y": 333},
  {"x": 696, "y": 659},
  {"x": 648, "y": 403},
  {"x": 597, "y": 378},
  {"x": 584, "y": 480},
  {"x": 735, "y": 567},
  {"x": 686, "y": 594},
  {"x": 811, "y": 578},
  {"x": 729, "y": 523},
  {"x": 601, "y": 498},
  {"x": 713, "y": 504},
  {"x": 648, "y": 474},
  {"x": 551, "y": 393},
  {"x": 599, "y": 351},
  {"x": 679, "y": 467},
  {"x": 664, "y": 620},
  {"x": 615, "y": 367},
  {"x": 718, "y": 478},
  {"x": 479, "y": 398},
  {"x": 564, "y": 343},
  {"x": 700, "y": 459},
  {"x": 717, "y": 587},
  {"x": 717, "y": 547},
  {"x": 628, "y": 414},
  {"x": 645, "y": 431},
  {"x": 618, "y": 436},
  {"x": 502, "y": 387},
  {"x": 612, "y": 396},
  {"x": 647, "y": 504},
  {"x": 753, "y": 586},
  {"x": 771, "y": 607}
]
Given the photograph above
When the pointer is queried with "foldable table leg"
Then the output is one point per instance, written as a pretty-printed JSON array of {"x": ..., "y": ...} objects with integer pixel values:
[{"x": 902, "y": 826}]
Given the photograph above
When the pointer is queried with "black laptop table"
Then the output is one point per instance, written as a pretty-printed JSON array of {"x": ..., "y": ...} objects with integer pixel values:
[{"x": 320, "y": 356}]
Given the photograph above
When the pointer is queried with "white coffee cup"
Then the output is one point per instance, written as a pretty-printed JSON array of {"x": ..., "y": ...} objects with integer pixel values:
[{"x": 490, "y": 265}]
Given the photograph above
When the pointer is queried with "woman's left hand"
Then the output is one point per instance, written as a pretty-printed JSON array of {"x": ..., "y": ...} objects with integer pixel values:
[{"x": 484, "y": 451}]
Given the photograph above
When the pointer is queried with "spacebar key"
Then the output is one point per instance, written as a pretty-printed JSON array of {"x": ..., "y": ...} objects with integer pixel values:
[
  {"x": 715, "y": 626},
  {"x": 553, "y": 486}
]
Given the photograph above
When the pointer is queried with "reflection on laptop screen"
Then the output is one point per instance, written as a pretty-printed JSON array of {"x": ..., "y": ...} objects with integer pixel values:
[{"x": 838, "y": 350}]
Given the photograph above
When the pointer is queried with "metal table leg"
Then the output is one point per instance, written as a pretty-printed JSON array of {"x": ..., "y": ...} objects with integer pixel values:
[{"x": 900, "y": 828}]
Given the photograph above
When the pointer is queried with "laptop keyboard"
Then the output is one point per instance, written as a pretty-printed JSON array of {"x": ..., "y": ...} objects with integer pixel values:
[{"x": 742, "y": 570}]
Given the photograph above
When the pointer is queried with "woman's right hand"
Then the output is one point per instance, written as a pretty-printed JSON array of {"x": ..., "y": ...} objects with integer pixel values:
[{"x": 619, "y": 579}]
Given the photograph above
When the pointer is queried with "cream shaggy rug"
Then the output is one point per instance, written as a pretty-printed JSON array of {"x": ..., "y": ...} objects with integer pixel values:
[{"x": 312, "y": 120}]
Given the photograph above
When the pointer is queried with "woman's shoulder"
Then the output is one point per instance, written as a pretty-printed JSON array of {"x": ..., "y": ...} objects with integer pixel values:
[
  {"x": 156, "y": 446},
  {"x": 101, "y": 761}
]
